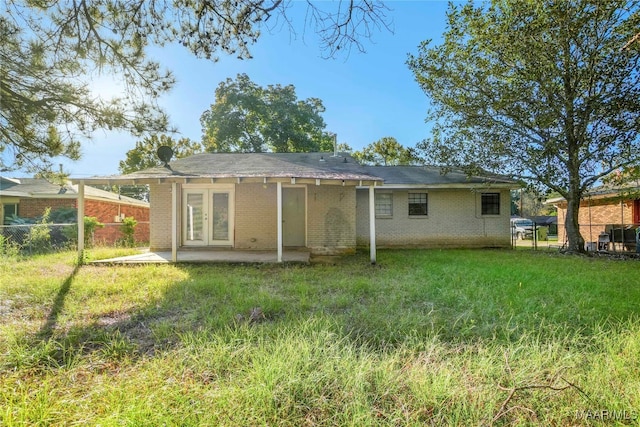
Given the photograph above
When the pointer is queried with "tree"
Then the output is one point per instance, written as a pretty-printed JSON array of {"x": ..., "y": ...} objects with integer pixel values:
[
  {"x": 51, "y": 52},
  {"x": 386, "y": 151},
  {"x": 145, "y": 156},
  {"x": 249, "y": 118},
  {"x": 539, "y": 90}
]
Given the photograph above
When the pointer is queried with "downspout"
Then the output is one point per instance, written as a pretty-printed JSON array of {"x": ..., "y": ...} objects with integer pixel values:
[
  {"x": 174, "y": 222},
  {"x": 372, "y": 223}
]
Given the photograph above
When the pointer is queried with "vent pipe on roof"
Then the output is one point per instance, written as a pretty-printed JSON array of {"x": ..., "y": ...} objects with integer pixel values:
[{"x": 335, "y": 144}]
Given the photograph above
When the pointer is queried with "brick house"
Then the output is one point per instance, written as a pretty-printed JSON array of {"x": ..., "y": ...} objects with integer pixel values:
[
  {"x": 29, "y": 197},
  {"x": 323, "y": 203},
  {"x": 614, "y": 211},
  {"x": 418, "y": 206}
]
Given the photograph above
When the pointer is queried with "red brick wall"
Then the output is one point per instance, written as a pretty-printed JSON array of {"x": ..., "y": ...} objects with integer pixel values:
[
  {"x": 104, "y": 211},
  {"x": 594, "y": 215},
  {"x": 31, "y": 208},
  {"x": 107, "y": 211}
]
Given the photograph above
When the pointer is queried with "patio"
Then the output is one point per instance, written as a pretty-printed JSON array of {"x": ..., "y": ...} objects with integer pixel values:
[{"x": 210, "y": 256}]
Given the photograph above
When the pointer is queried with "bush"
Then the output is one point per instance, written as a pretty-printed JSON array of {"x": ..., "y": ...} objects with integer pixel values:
[
  {"x": 543, "y": 233},
  {"x": 91, "y": 223},
  {"x": 128, "y": 229},
  {"x": 39, "y": 238},
  {"x": 64, "y": 216}
]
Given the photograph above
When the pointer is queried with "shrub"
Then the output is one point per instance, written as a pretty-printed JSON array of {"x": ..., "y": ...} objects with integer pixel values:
[
  {"x": 128, "y": 229},
  {"x": 39, "y": 238},
  {"x": 64, "y": 216},
  {"x": 91, "y": 223}
]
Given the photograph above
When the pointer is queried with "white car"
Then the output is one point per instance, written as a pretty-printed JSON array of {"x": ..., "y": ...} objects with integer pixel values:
[{"x": 521, "y": 228}]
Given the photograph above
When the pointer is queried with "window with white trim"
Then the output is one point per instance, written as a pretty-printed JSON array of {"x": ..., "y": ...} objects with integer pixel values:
[
  {"x": 384, "y": 205},
  {"x": 418, "y": 204}
]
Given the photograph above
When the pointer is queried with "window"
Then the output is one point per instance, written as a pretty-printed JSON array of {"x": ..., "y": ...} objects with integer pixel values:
[
  {"x": 384, "y": 205},
  {"x": 417, "y": 204},
  {"x": 9, "y": 210},
  {"x": 490, "y": 203}
]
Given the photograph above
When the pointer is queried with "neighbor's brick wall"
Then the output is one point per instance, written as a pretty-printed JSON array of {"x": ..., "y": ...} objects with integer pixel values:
[
  {"x": 160, "y": 216},
  {"x": 453, "y": 220},
  {"x": 256, "y": 216},
  {"x": 594, "y": 215},
  {"x": 106, "y": 212},
  {"x": 31, "y": 208},
  {"x": 331, "y": 219}
]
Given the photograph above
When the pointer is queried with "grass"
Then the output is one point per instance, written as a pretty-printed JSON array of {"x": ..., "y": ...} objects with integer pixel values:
[{"x": 455, "y": 337}]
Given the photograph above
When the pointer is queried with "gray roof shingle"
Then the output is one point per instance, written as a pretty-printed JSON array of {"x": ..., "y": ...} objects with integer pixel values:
[
  {"x": 432, "y": 175},
  {"x": 38, "y": 187},
  {"x": 300, "y": 165}
]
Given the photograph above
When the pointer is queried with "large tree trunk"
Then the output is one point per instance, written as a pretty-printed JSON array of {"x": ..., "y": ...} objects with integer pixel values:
[{"x": 572, "y": 226}]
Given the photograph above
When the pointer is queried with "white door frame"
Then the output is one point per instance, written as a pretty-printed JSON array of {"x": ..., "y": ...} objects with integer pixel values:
[{"x": 208, "y": 191}]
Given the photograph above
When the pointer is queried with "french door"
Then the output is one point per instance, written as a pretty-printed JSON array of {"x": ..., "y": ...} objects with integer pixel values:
[{"x": 207, "y": 216}]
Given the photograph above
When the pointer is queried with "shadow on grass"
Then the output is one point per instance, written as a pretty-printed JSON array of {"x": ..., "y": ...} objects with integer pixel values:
[
  {"x": 46, "y": 331},
  {"x": 409, "y": 296}
]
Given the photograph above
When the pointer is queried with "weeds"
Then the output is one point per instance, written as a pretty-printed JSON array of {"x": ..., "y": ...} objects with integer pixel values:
[{"x": 427, "y": 338}]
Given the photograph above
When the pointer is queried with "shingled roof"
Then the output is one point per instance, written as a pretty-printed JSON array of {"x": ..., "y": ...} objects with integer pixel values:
[
  {"x": 434, "y": 176},
  {"x": 41, "y": 188},
  {"x": 218, "y": 166}
]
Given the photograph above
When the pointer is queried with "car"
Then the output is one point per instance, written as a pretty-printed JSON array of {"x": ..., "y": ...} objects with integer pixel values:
[{"x": 522, "y": 228}]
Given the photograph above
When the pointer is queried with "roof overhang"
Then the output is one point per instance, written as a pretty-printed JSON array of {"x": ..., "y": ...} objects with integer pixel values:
[
  {"x": 344, "y": 180},
  {"x": 464, "y": 186}
]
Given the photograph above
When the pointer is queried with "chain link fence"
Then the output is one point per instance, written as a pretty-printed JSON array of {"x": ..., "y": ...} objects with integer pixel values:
[
  {"x": 612, "y": 238},
  {"x": 42, "y": 238}
]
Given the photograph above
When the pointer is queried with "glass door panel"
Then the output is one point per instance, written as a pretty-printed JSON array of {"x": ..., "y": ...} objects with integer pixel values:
[
  {"x": 207, "y": 217},
  {"x": 221, "y": 218},
  {"x": 195, "y": 217}
]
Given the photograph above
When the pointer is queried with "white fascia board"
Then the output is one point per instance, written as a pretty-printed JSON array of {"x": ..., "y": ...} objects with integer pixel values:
[{"x": 441, "y": 186}]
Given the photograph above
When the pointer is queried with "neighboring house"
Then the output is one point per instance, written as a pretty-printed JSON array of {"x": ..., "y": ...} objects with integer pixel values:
[
  {"x": 316, "y": 201},
  {"x": 29, "y": 197},
  {"x": 614, "y": 211}
]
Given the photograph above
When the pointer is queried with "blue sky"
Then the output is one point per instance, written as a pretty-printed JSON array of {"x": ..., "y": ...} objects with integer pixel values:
[{"x": 367, "y": 96}]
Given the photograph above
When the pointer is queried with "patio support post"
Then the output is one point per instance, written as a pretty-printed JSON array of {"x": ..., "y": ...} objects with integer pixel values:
[
  {"x": 279, "y": 218},
  {"x": 372, "y": 223},
  {"x": 80, "y": 222},
  {"x": 174, "y": 222}
]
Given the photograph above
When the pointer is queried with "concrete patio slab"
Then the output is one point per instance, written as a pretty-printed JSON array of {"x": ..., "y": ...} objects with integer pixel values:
[{"x": 210, "y": 256}]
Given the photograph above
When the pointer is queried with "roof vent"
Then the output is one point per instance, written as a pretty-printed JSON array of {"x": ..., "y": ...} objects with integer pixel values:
[{"x": 322, "y": 159}]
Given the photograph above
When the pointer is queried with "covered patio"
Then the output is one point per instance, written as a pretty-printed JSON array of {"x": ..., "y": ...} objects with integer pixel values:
[
  {"x": 226, "y": 256},
  {"x": 248, "y": 207}
]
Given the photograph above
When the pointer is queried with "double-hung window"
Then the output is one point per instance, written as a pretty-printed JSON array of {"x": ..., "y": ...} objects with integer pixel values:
[
  {"x": 418, "y": 204},
  {"x": 384, "y": 205}
]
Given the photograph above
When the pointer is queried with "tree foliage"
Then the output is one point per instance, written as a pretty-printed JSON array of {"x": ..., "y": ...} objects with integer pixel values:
[
  {"x": 145, "y": 156},
  {"x": 540, "y": 90},
  {"x": 249, "y": 118},
  {"x": 51, "y": 52},
  {"x": 386, "y": 151}
]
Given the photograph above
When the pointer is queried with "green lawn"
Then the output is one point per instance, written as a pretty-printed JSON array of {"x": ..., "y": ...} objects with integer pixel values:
[{"x": 456, "y": 337}]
